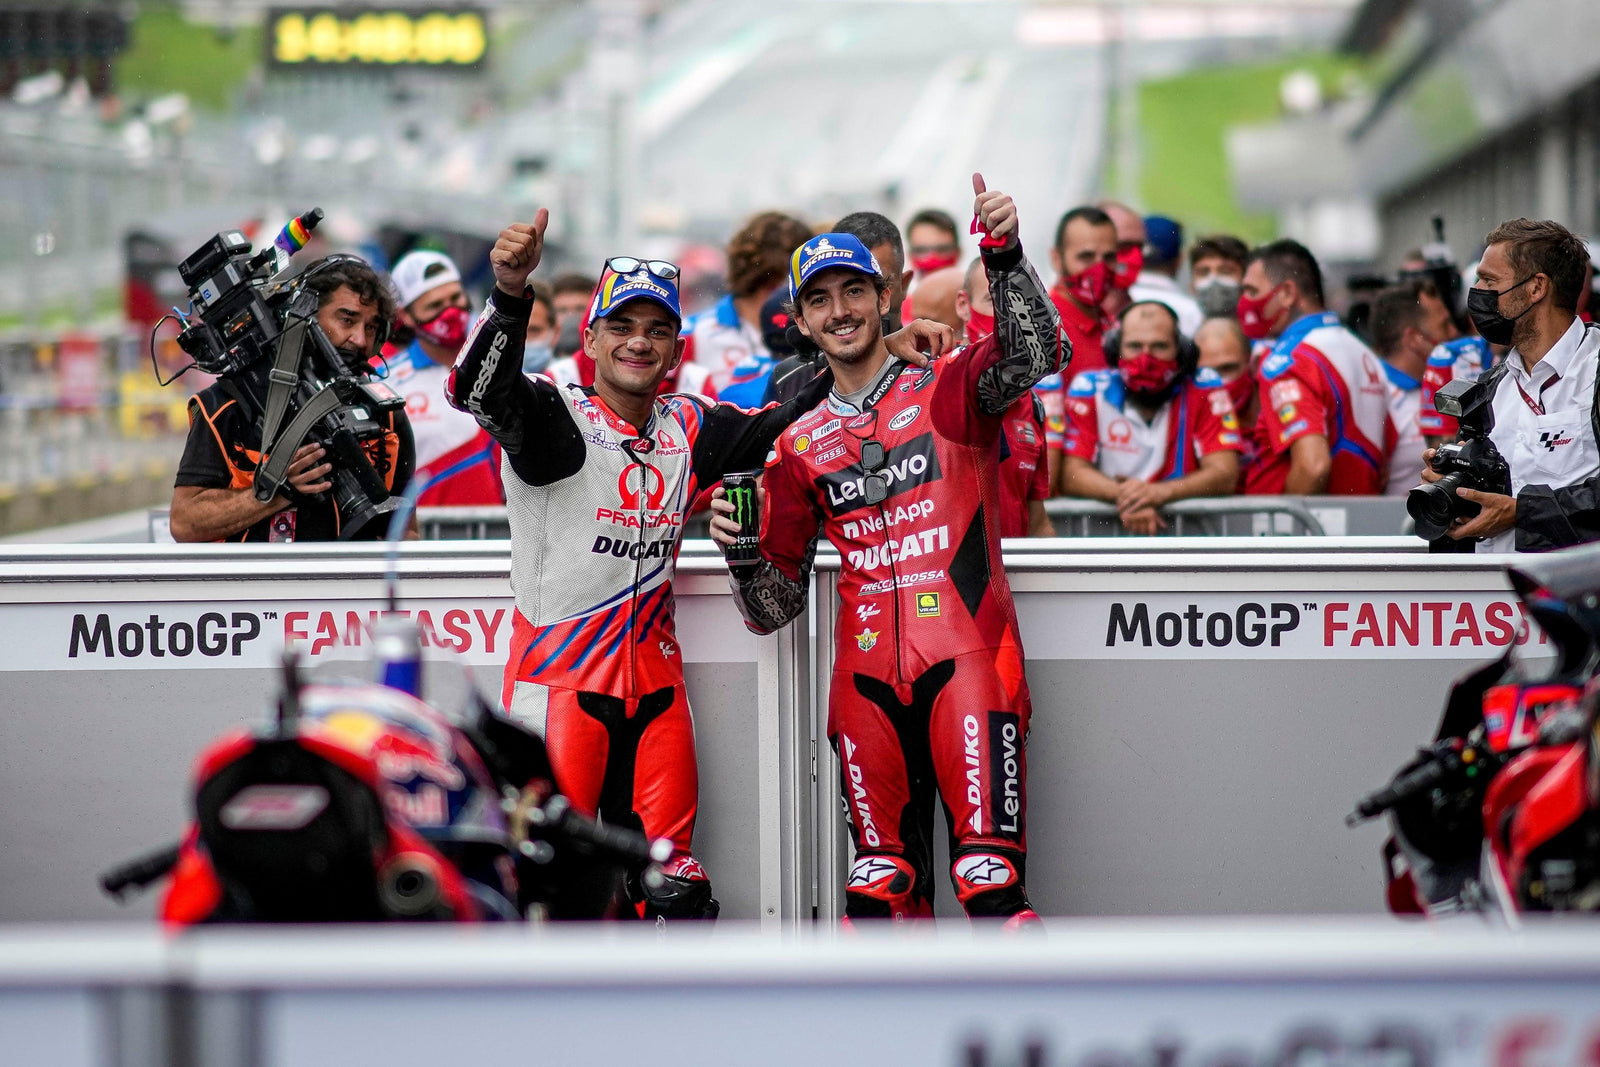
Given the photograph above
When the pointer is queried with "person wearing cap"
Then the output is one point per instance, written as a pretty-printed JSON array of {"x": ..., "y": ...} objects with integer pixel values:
[
  {"x": 455, "y": 456},
  {"x": 899, "y": 469},
  {"x": 598, "y": 482},
  {"x": 1158, "y": 277}
]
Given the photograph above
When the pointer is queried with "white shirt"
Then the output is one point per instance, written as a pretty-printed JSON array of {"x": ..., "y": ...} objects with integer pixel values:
[
  {"x": 1556, "y": 448},
  {"x": 1405, "y": 405},
  {"x": 1165, "y": 290}
]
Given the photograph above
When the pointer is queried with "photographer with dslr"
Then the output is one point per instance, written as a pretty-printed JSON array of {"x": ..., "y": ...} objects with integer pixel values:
[
  {"x": 1536, "y": 432},
  {"x": 213, "y": 498}
]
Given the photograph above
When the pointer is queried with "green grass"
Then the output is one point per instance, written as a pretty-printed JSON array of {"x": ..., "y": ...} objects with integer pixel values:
[
  {"x": 1183, "y": 163},
  {"x": 169, "y": 54}
]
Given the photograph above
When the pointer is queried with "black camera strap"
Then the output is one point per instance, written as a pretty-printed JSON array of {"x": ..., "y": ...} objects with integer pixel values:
[{"x": 281, "y": 382}]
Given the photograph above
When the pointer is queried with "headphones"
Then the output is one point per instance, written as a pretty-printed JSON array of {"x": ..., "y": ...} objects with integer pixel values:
[{"x": 1188, "y": 351}]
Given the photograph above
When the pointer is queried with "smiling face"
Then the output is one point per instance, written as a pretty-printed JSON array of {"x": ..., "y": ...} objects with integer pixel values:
[
  {"x": 842, "y": 311},
  {"x": 634, "y": 347}
]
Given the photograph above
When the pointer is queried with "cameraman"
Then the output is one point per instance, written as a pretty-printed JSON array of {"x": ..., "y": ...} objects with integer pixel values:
[
  {"x": 1545, "y": 416},
  {"x": 212, "y": 499}
]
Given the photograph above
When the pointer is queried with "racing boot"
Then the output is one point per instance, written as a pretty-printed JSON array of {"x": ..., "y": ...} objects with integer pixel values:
[
  {"x": 680, "y": 889},
  {"x": 988, "y": 884},
  {"x": 883, "y": 887}
]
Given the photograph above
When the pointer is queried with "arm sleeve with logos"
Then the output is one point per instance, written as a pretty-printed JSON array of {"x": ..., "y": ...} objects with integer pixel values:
[
  {"x": 1216, "y": 428},
  {"x": 1028, "y": 342},
  {"x": 775, "y": 591},
  {"x": 1082, "y": 435},
  {"x": 1039, "y": 486},
  {"x": 738, "y": 439},
  {"x": 1292, "y": 407},
  {"x": 527, "y": 416}
]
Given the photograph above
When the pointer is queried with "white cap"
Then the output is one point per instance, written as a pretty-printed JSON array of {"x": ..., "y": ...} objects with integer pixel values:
[{"x": 419, "y": 271}]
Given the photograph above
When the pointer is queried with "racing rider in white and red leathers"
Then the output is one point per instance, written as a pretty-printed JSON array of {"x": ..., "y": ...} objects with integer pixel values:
[
  {"x": 899, "y": 469},
  {"x": 598, "y": 482}
]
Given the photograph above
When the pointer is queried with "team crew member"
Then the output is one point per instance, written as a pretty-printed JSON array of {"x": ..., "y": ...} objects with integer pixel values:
[
  {"x": 898, "y": 469},
  {"x": 1226, "y": 350},
  {"x": 598, "y": 482},
  {"x": 1216, "y": 272},
  {"x": 935, "y": 242},
  {"x": 1409, "y": 322},
  {"x": 213, "y": 500},
  {"x": 1152, "y": 428},
  {"x": 1125, "y": 271},
  {"x": 1024, "y": 453},
  {"x": 541, "y": 346},
  {"x": 1158, "y": 277},
  {"x": 1324, "y": 425},
  {"x": 454, "y": 454},
  {"x": 726, "y": 338}
]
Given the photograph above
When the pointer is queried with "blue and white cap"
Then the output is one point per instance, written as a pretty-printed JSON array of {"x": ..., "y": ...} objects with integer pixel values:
[
  {"x": 826, "y": 252},
  {"x": 616, "y": 289}
]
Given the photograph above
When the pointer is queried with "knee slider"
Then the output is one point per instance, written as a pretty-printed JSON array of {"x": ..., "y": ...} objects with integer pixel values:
[
  {"x": 989, "y": 883},
  {"x": 679, "y": 890},
  {"x": 880, "y": 887}
]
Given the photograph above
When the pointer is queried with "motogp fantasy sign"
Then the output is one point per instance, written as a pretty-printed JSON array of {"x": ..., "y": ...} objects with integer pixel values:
[{"x": 444, "y": 38}]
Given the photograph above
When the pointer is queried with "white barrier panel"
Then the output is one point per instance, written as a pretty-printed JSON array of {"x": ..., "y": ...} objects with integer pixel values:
[
  {"x": 1180, "y": 995},
  {"x": 1202, "y": 722},
  {"x": 117, "y": 664}
]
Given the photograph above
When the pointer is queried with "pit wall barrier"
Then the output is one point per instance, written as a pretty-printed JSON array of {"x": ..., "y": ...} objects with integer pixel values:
[
  {"x": 1089, "y": 993},
  {"x": 1205, "y": 711}
]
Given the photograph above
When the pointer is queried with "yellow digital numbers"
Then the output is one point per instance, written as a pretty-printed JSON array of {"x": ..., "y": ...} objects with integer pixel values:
[{"x": 451, "y": 38}]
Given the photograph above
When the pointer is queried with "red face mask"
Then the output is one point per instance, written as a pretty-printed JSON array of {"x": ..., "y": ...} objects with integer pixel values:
[
  {"x": 1253, "y": 315},
  {"x": 1090, "y": 286},
  {"x": 933, "y": 261},
  {"x": 1130, "y": 261},
  {"x": 1147, "y": 373},
  {"x": 979, "y": 326},
  {"x": 448, "y": 329},
  {"x": 1241, "y": 390}
]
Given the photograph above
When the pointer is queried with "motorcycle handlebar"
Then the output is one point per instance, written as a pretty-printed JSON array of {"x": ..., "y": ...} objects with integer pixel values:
[
  {"x": 1404, "y": 787},
  {"x": 557, "y": 818},
  {"x": 139, "y": 873}
]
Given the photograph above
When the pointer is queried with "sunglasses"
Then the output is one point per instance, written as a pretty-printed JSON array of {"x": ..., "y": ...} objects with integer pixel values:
[
  {"x": 628, "y": 265},
  {"x": 874, "y": 487}
]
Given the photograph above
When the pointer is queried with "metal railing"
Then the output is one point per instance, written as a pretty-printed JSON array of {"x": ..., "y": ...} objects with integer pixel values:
[{"x": 1091, "y": 518}]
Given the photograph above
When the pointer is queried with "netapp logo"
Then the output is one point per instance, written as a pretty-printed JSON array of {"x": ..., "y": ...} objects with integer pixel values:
[
  {"x": 906, "y": 466},
  {"x": 1247, "y": 626},
  {"x": 210, "y": 635}
]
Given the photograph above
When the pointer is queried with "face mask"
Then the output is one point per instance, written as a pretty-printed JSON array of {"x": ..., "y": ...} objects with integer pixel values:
[
  {"x": 1217, "y": 295},
  {"x": 932, "y": 261},
  {"x": 536, "y": 357},
  {"x": 1241, "y": 390},
  {"x": 1147, "y": 373},
  {"x": 1483, "y": 306},
  {"x": 979, "y": 326},
  {"x": 1253, "y": 315},
  {"x": 1089, "y": 287},
  {"x": 448, "y": 329},
  {"x": 1130, "y": 261}
]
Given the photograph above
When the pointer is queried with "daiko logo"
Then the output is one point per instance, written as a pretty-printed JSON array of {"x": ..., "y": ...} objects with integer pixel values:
[{"x": 641, "y": 486}]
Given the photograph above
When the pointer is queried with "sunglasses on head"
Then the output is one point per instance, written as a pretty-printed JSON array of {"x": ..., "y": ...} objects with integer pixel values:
[
  {"x": 628, "y": 265},
  {"x": 874, "y": 487}
]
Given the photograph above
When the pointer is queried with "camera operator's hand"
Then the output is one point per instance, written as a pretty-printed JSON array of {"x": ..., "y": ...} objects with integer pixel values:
[
  {"x": 1429, "y": 475},
  {"x": 1499, "y": 514},
  {"x": 517, "y": 252},
  {"x": 307, "y": 473},
  {"x": 723, "y": 526}
]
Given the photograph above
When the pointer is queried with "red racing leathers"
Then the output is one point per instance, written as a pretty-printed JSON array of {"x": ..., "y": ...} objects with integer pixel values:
[
  {"x": 928, "y": 691},
  {"x": 596, "y": 507}
]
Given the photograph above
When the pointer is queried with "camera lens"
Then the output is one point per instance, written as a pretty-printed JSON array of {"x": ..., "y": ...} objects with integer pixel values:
[{"x": 1434, "y": 507}]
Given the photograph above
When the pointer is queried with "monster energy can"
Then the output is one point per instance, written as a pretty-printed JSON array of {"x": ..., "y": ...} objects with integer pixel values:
[{"x": 745, "y": 552}]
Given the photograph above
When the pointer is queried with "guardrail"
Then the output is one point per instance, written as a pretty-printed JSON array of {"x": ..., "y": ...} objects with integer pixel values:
[{"x": 1087, "y": 518}]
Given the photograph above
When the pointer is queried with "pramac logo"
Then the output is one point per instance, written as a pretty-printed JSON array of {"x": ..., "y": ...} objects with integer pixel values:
[{"x": 641, "y": 486}]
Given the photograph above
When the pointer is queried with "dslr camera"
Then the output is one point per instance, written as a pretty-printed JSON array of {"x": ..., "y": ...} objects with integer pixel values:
[
  {"x": 259, "y": 335},
  {"x": 1471, "y": 461}
]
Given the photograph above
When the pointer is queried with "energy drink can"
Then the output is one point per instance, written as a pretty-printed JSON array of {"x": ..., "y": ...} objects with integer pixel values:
[{"x": 745, "y": 552}]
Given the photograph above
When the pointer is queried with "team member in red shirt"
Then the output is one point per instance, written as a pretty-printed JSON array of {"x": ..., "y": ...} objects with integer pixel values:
[
  {"x": 1324, "y": 425},
  {"x": 1024, "y": 454},
  {"x": 898, "y": 468},
  {"x": 1153, "y": 427}
]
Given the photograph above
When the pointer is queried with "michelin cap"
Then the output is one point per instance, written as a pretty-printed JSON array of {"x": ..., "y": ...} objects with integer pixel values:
[
  {"x": 826, "y": 252},
  {"x": 419, "y": 271},
  {"x": 616, "y": 289}
]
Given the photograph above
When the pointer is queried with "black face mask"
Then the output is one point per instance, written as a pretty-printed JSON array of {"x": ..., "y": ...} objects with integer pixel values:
[{"x": 1483, "y": 307}]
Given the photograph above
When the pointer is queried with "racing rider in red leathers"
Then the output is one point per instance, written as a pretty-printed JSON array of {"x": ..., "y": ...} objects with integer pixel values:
[
  {"x": 598, "y": 482},
  {"x": 899, "y": 469}
]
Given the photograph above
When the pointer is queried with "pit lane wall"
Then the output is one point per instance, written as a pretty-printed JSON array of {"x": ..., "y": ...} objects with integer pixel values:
[{"x": 1204, "y": 713}]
